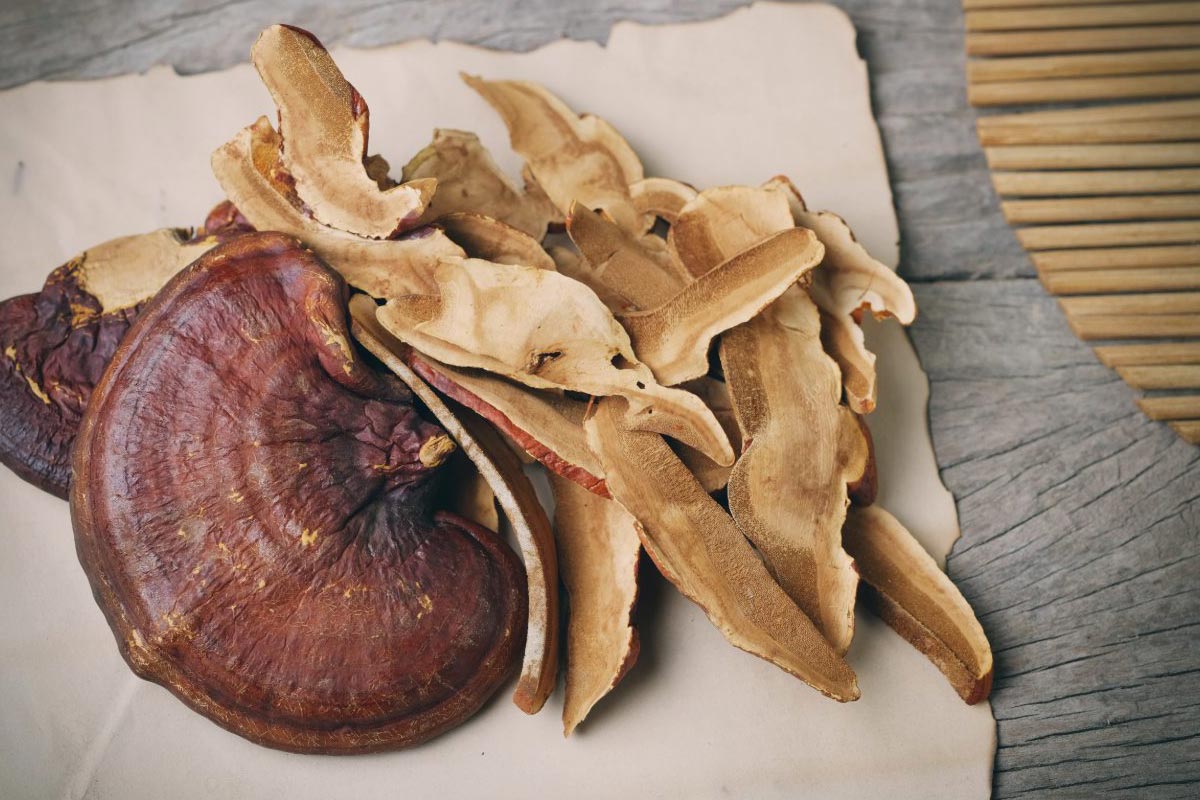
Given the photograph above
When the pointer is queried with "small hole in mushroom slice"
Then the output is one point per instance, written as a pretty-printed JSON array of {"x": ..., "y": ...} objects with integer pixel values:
[
  {"x": 697, "y": 547},
  {"x": 515, "y": 495},
  {"x": 598, "y": 551},
  {"x": 469, "y": 181},
  {"x": 904, "y": 585},
  {"x": 849, "y": 282},
  {"x": 501, "y": 318},
  {"x": 247, "y": 169},
  {"x": 253, "y": 507},
  {"x": 492, "y": 240},
  {"x": 573, "y": 158},
  {"x": 325, "y": 125},
  {"x": 674, "y": 339},
  {"x": 55, "y": 344}
]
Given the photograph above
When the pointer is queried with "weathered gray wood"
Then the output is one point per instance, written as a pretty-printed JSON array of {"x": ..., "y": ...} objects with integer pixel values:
[{"x": 1080, "y": 517}]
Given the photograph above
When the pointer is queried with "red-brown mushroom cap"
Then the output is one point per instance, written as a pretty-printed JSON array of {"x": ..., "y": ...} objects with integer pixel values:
[{"x": 253, "y": 505}]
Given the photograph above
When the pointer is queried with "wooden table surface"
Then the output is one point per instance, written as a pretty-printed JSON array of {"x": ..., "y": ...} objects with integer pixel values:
[{"x": 1080, "y": 518}]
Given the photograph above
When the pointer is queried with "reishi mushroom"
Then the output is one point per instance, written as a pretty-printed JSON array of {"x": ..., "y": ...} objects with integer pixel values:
[{"x": 253, "y": 505}]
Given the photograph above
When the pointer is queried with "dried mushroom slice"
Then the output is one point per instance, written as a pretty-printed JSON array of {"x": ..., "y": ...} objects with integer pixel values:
[
  {"x": 618, "y": 266},
  {"x": 469, "y": 494},
  {"x": 325, "y": 124},
  {"x": 598, "y": 551},
  {"x": 252, "y": 505},
  {"x": 911, "y": 594},
  {"x": 55, "y": 344},
  {"x": 674, "y": 339},
  {"x": 247, "y": 167},
  {"x": 864, "y": 490},
  {"x": 661, "y": 198},
  {"x": 715, "y": 393},
  {"x": 698, "y": 548},
  {"x": 848, "y": 283},
  {"x": 788, "y": 490},
  {"x": 492, "y": 240},
  {"x": 546, "y": 331},
  {"x": 721, "y": 222},
  {"x": 502, "y": 470},
  {"x": 469, "y": 181},
  {"x": 546, "y": 425},
  {"x": 574, "y": 158}
]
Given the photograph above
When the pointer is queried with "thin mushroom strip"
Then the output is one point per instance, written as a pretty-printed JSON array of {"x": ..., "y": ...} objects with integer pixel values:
[
  {"x": 598, "y": 550},
  {"x": 697, "y": 547},
  {"x": 515, "y": 495},
  {"x": 325, "y": 123},
  {"x": 911, "y": 594}
]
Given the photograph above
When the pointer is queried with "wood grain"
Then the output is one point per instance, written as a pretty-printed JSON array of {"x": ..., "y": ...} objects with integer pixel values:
[
  {"x": 1078, "y": 513},
  {"x": 1096, "y": 182}
]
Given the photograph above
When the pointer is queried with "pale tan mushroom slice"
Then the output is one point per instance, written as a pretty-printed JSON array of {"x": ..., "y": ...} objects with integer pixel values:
[
  {"x": 661, "y": 198},
  {"x": 492, "y": 240},
  {"x": 912, "y": 595},
  {"x": 715, "y": 394},
  {"x": 848, "y": 283},
  {"x": 546, "y": 331},
  {"x": 721, "y": 222},
  {"x": 574, "y": 158},
  {"x": 325, "y": 124},
  {"x": 515, "y": 494},
  {"x": 697, "y": 547},
  {"x": 598, "y": 551},
  {"x": 247, "y": 168},
  {"x": 471, "y": 496},
  {"x": 635, "y": 272},
  {"x": 128, "y": 271},
  {"x": 469, "y": 180},
  {"x": 546, "y": 425},
  {"x": 674, "y": 339},
  {"x": 789, "y": 489}
]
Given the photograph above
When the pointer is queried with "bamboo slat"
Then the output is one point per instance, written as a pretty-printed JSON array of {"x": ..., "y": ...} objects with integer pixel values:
[
  {"x": 1183, "y": 129},
  {"x": 1092, "y": 156},
  {"x": 1070, "y": 183},
  {"x": 1136, "y": 62},
  {"x": 1081, "y": 40},
  {"x": 1135, "y": 326},
  {"x": 1132, "y": 355},
  {"x": 1117, "y": 258},
  {"x": 1121, "y": 304},
  {"x": 1179, "y": 406},
  {"x": 1093, "y": 209},
  {"x": 977, "y": 4},
  {"x": 1188, "y": 430},
  {"x": 1102, "y": 281},
  {"x": 1005, "y": 93},
  {"x": 1090, "y": 16},
  {"x": 1053, "y": 237},
  {"x": 1121, "y": 112},
  {"x": 1167, "y": 376}
]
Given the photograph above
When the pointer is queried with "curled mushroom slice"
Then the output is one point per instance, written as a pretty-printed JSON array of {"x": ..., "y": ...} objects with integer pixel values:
[
  {"x": 848, "y": 283},
  {"x": 515, "y": 494},
  {"x": 546, "y": 425},
  {"x": 247, "y": 167},
  {"x": 468, "y": 180},
  {"x": 325, "y": 124},
  {"x": 252, "y": 505},
  {"x": 492, "y": 240},
  {"x": 574, "y": 158},
  {"x": 598, "y": 550},
  {"x": 911, "y": 594},
  {"x": 715, "y": 393},
  {"x": 674, "y": 339},
  {"x": 546, "y": 331},
  {"x": 788, "y": 490},
  {"x": 619, "y": 265},
  {"x": 661, "y": 198},
  {"x": 721, "y": 222},
  {"x": 698, "y": 548},
  {"x": 55, "y": 344}
]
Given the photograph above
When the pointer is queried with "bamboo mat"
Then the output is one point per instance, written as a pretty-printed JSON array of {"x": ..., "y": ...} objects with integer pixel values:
[{"x": 1102, "y": 176}]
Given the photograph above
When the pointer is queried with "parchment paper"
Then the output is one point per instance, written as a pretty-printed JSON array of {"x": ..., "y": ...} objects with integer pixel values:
[{"x": 767, "y": 90}]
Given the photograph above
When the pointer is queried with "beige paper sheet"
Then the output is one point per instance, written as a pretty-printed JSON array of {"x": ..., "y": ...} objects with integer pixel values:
[{"x": 772, "y": 89}]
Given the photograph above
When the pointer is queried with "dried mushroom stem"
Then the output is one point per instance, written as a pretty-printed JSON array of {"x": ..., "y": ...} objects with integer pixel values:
[
  {"x": 516, "y": 497},
  {"x": 598, "y": 550},
  {"x": 911, "y": 594},
  {"x": 698, "y": 548},
  {"x": 246, "y": 168},
  {"x": 469, "y": 181},
  {"x": 674, "y": 339},
  {"x": 325, "y": 124},
  {"x": 573, "y": 158},
  {"x": 849, "y": 282},
  {"x": 546, "y": 331}
]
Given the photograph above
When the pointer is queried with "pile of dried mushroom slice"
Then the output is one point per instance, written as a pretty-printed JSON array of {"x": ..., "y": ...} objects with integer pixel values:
[{"x": 687, "y": 365}]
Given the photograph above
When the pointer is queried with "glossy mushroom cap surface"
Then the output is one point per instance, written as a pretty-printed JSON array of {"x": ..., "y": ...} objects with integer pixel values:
[{"x": 254, "y": 506}]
